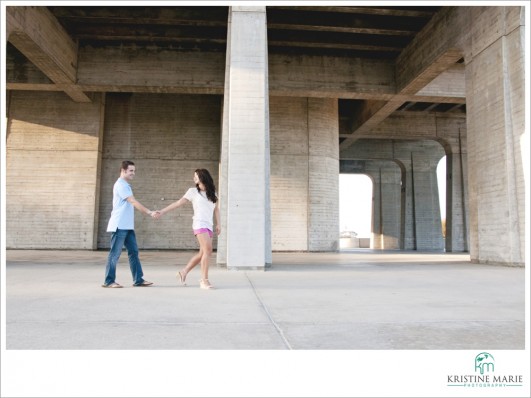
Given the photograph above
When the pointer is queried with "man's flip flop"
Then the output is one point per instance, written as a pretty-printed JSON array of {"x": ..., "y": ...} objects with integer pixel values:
[
  {"x": 145, "y": 283},
  {"x": 112, "y": 285}
]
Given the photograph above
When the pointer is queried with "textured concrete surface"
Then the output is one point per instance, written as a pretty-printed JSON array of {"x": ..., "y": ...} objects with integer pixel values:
[{"x": 356, "y": 300}]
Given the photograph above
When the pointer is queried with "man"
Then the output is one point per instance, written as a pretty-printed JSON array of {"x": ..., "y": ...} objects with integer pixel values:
[{"x": 122, "y": 225}]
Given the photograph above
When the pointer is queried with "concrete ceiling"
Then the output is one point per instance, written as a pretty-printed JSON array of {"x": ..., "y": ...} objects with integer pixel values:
[
  {"x": 378, "y": 34},
  {"x": 366, "y": 32}
]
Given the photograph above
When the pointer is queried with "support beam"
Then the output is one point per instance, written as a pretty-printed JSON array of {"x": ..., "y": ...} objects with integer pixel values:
[
  {"x": 427, "y": 48},
  {"x": 323, "y": 169},
  {"x": 450, "y": 83},
  {"x": 374, "y": 115},
  {"x": 429, "y": 108},
  {"x": 121, "y": 70},
  {"x": 418, "y": 65},
  {"x": 419, "y": 126},
  {"x": 37, "y": 34},
  {"x": 455, "y": 108},
  {"x": 247, "y": 149},
  {"x": 405, "y": 108}
]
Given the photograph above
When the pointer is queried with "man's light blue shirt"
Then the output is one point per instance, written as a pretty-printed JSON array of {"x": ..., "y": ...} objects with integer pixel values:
[{"x": 123, "y": 212}]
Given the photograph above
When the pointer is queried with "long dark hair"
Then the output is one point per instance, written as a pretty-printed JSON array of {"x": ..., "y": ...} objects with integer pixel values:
[{"x": 206, "y": 179}]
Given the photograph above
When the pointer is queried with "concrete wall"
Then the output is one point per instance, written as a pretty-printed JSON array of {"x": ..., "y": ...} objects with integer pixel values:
[
  {"x": 168, "y": 136},
  {"x": 56, "y": 146},
  {"x": 304, "y": 174},
  {"x": 289, "y": 173},
  {"x": 53, "y": 153}
]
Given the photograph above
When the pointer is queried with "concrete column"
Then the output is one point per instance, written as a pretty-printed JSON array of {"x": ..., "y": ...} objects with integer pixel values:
[
  {"x": 453, "y": 138},
  {"x": 221, "y": 251},
  {"x": 289, "y": 173},
  {"x": 498, "y": 149},
  {"x": 323, "y": 175},
  {"x": 386, "y": 205},
  {"x": 248, "y": 215},
  {"x": 422, "y": 198},
  {"x": 456, "y": 202}
]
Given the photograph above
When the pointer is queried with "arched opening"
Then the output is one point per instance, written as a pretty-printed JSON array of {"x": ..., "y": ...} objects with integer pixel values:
[
  {"x": 441, "y": 184},
  {"x": 355, "y": 211}
]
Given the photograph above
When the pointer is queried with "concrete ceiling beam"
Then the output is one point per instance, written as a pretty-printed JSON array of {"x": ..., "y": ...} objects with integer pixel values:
[
  {"x": 449, "y": 129},
  {"x": 37, "y": 34},
  {"x": 450, "y": 83},
  {"x": 432, "y": 51},
  {"x": 426, "y": 58}
]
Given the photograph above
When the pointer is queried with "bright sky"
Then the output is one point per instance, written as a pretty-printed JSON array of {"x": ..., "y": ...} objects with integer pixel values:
[
  {"x": 355, "y": 204},
  {"x": 355, "y": 200}
]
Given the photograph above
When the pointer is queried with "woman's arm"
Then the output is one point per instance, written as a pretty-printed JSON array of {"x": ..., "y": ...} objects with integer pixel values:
[
  {"x": 174, "y": 205},
  {"x": 217, "y": 218}
]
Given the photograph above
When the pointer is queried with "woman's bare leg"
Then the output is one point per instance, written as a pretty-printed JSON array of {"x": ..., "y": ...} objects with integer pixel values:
[
  {"x": 196, "y": 259},
  {"x": 205, "y": 243}
]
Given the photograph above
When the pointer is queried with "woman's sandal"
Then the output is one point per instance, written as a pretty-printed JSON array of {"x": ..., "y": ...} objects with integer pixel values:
[
  {"x": 181, "y": 277},
  {"x": 205, "y": 284}
]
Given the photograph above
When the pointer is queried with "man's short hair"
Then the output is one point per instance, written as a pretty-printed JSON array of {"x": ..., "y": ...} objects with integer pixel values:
[{"x": 126, "y": 164}]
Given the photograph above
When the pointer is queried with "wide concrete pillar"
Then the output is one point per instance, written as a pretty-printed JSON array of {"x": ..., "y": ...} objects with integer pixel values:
[
  {"x": 245, "y": 145},
  {"x": 323, "y": 174},
  {"x": 498, "y": 147}
]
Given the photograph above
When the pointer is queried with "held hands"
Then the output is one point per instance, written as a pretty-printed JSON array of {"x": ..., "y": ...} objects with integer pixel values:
[{"x": 155, "y": 214}]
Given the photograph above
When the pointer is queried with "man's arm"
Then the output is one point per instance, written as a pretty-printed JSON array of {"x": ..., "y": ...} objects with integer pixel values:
[{"x": 139, "y": 206}]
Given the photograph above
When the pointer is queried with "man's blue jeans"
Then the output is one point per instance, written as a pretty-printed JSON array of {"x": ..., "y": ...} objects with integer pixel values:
[{"x": 119, "y": 239}]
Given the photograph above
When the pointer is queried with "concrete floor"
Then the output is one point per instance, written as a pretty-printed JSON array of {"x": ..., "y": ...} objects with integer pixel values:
[{"x": 355, "y": 300}]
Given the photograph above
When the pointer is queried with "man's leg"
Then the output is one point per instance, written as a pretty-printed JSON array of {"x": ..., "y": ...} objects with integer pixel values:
[
  {"x": 117, "y": 242},
  {"x": 134, "y": 261}
]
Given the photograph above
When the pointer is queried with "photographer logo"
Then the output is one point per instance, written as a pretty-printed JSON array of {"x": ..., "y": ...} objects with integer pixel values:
[
  {"x": 484, "y": 363},
  {"x": 485, "y": 375}
]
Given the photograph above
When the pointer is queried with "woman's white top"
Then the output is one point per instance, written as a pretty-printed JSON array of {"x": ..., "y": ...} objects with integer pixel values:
[{"x": 203, "y": 209}]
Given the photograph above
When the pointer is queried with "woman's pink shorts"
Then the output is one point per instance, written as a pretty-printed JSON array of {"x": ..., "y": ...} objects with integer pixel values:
[{"x": 203, "y": 231}]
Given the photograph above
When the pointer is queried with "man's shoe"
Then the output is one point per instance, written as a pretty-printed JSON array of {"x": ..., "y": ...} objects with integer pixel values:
[{"x": 145, "y": 283}]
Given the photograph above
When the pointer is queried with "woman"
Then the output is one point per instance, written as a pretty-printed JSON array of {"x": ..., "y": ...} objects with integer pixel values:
[{"x": 206, "y": 204}]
